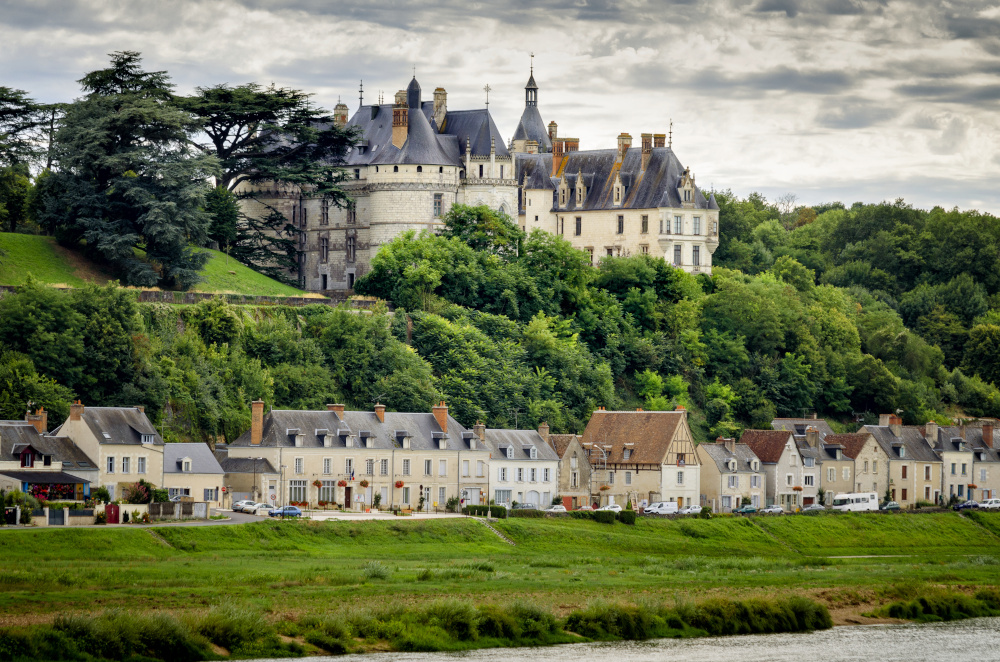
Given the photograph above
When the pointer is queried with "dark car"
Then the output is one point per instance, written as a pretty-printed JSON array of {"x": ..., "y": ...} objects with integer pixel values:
[
  {"x": 966, "y": 505},
  {"x": 286, "y": 511},
  {"x": 745, "y": 510},
  {"x": 889, "y": 505}
]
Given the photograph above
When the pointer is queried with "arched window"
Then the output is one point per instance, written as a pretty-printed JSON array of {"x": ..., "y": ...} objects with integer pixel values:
[
  {"x": 395, "y": 168},
  {"x": 440, "y": 168},
  {"x": 420, "y": 168}
]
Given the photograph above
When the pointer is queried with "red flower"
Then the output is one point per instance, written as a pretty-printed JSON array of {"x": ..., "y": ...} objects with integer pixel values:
[
  {"x": 341, "y": 483},
  {"x": 399, "y": 483}
]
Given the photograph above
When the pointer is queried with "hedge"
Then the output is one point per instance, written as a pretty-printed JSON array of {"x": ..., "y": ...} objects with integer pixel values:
[
  {"x": 527, "y": 513},
  {"x": 627, "y": 517},
  {"x": 605, "y": 516}
]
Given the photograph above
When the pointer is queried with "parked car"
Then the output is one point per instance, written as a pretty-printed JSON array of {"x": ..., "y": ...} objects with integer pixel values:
[
  {"x": 525, "y": 506},
  {"x": 814, "y": 508},
  {"x": 286, "y": 511},
  {"x": 991, "y": 504},
  {"x": 613, "y": 507},
  {"x": 239, "y": 505},
  {"x": 689, "y": 510},
  {"x": 661, "y": 508},
  {"x": 745, "y": 510},
  {"x": 175, "y": 498},
  {"x": 966, "y": 505},
  {"x": 772, "y": 510},
  {"x": 556, "y": 509},
  {"x": 258, "y": 509},
  {"x": 889, "y": 505}
]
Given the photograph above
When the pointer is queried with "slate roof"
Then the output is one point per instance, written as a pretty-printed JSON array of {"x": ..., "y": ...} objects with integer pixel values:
[
  {"x": 916, "y": 446},
  {"x": 21, "y": 433},
  {"x": 798, "y": 426},
  {"x": 521, "y": 441},
  {"x": 202, "y": 459},
  {"x": 560, "y": 442},
  {"x": 742, "y": 453},
  {"x": 656, "y": 186},
  {"x": 422, "y": 429},
  {"x": 768, "y": 445},
  {"x": 426, "y": 143},
  {"x": 973, "y": 437},
  {"x": 123, "y": 425},
  {"x": 852, "y": 443},
  {"x": 245, "y": 465},
  {"x": 532, "y": 127},
  {"x": 649, "y": 434}
]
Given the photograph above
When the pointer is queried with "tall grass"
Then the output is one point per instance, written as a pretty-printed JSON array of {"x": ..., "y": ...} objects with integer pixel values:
[{"x": 946, "y": 606}]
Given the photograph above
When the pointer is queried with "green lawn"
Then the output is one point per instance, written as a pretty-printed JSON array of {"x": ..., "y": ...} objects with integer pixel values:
[
  {"x": 289, "y": 569},
  {"x": 25, "y": 254},
  {"x": 50, "y": 263}
]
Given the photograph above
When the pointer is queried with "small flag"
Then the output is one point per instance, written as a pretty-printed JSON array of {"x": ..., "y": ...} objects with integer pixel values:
[{"x": 352, "y": 474}]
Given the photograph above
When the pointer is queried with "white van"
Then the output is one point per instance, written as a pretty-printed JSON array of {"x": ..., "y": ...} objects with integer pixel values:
[
  {"x": 661, "y": 508},
  {"x": 856, "y": 501},
  {"x": 990, "y": 503}
]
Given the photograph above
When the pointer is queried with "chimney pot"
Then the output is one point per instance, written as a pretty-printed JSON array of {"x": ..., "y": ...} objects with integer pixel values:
[
  {"x": 543, "y": 430},
  {"x": 256, "y": 422},
  {"x": 380, "y": 412},
  {"x": 337, "y": 409},
  {"x": 659, "y": 140},
  {"x": 40, "y": 420},
  {"x": 931, "y": 432},
  {"x": 479, "y": 430},
  {"x": 76, "y": 411},
  {"x": 624, "y": 142}
]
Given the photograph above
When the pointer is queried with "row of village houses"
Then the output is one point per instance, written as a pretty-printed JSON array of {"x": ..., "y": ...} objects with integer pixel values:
[{"x": 350, "y": 457}]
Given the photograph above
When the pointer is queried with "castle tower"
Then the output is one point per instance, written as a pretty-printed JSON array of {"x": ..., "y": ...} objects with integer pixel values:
[{"x": 531, "y": 127}]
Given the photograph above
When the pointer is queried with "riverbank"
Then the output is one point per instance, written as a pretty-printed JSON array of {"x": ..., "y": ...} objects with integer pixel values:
[{"x": 290, "y": 573}]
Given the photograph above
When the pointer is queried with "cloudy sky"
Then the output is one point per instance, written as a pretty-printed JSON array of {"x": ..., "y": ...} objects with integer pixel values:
[{"x": 827, "y": 99}]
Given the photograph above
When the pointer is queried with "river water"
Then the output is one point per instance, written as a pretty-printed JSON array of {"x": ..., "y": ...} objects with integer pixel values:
[{"x": 966, "y": 641}]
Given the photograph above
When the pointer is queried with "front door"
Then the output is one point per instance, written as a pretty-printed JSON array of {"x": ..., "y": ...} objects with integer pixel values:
[
  {"x": 347, "y": 498},
  {"x": 680, "y": 502}
]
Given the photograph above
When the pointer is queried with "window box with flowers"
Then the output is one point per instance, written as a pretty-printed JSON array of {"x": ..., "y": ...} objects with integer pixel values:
[
  {"x": 341, "y": 483},
  {"x": 317, "y": 483},
  {"x": 605, "y": 488},
  {"x": 797, "y": 488},
  {"x": 973, "y": 486}
]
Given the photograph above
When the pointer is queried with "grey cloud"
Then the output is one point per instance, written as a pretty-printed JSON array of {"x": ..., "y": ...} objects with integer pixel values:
[
  {"x": 790, "y": 7},
  {"x": 967, "y": 27},
  {"x": 952, "y": 138},
  {"x": 854, "y": 114},
  {"x": 963, "y": 93}
]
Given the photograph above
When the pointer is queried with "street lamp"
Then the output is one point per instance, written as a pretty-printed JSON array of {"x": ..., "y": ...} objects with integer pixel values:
[{"x": 604, "y": 458}]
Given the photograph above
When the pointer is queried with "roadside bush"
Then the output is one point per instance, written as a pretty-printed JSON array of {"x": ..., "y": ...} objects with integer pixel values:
[
  {"x": 582, "y": 514},
  {"x": 944, "y": 606},
  {"x": 604, "y": 516},
  {"x": 609, "y": 622},
  {"x": 536, "y": 514},
  {"x": 627, "y": 517},
  {"x": 498, "y": 511},
  {"x": 25, "y": 516}
]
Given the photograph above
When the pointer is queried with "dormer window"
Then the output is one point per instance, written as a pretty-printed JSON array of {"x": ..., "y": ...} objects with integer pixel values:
[
  {"x": 186, "y": 465},
  {"x": 146, "y": 438},
  {"x": 627, "y": 453},
  {"x": 755, "y": 465},
  {"x": 902, "y": 451},
  {"x": 533, "y": 453},
  {"x": 510, "y": 452}
]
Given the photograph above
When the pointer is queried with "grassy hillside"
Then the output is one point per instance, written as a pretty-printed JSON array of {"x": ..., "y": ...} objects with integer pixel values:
[{"x": 50, "y": 263}]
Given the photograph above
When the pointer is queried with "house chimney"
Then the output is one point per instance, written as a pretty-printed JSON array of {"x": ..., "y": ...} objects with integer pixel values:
[
  {"x": 336, "y": 409},
  {"x": 479, "y": 430},
  {"x": 141, "y": 409},
  {"x": 553, "y": 131},
  {"x": 400, "y": 119},
  {"x": 988, "y": 436},
  {"x": 380, "y": 412},
  {"x": 812, "y": 436},
  {"x": 543, "y": 430},
  {"x": 76, "y": 411},
  {"x": 40, "y": 419},
  {"x": 624, "y": 142},
  {"x": 659, "y": 140},
  {"x": 883, "y": 420},
  {"x": 256, "y": 422},
  {"x": 441, "y": 415},
  {"x": 896, "y": 425},
  {"x": 931, "y": 432},
  {"x": 440, "y": 107},
  {"x": 340, "y": 115},
  {"x": 647, "y": 149}
]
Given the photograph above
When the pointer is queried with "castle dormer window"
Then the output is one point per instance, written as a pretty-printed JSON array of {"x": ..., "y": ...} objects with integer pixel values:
[
  {"x": 687, "y": 195},
  {"x": 510, "y": 452},
  {"x": 533, "y": 453}
]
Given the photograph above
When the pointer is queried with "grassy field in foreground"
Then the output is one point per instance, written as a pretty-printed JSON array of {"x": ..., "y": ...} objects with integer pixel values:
[
  {"x": 50, "y": 263},
  {"x": 293, "y": 569}
]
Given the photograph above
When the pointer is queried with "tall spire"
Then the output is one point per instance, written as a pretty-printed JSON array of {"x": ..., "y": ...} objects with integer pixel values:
[
  {"x": 531, "y": 89},
  {"x": 361, "y": 93}
]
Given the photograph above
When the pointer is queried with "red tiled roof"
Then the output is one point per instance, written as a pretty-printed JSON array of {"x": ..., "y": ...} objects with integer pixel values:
[
  {"x": 560, "y": 442},
  {"x": 648, "y": 432},
  {"x": 852, "y": 443},
  {"x": 768, "y": 445}
]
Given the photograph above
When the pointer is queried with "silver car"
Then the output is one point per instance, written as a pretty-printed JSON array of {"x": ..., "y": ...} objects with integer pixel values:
[{"x": 773, "y": 510}]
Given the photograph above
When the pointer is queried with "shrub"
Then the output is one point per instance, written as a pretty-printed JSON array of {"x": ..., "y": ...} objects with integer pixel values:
[
  {"x": 101, "y": 518},
  {"x": 118, "y": 635},
  {"x": 376, "y": 570},
  {"x": 604, "y": 516},
  {"x": 25, "y": 515},
  {"x": 582, "y": 514},
  {"x": 498, "y": 623},
  {"x": 627, "y": 517},
  {"x": 608, "y": 622},
  {"x": 326, "y": 642},
  {"x": 527, "y": 513},
  {"x": 458, "y": 619},
  {"x": 232, "y": 628},
  {"x": 497, "y": 511},
  {"x": 101, "y": 494},
  {"x": 941, "y": 606}
]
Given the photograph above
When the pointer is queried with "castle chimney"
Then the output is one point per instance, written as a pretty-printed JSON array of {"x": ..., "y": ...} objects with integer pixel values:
[
  {"x": 812, "y": 436},
  {"x": 76, "y": 411},
  {"x": 553, "y": 131},
  {"x": 380, "y": 412},
  {"x": 647, "y": 149},
  {"x": 337, "y": 409},
  {"x": 40, "y": 419},
  {"x": 659, "y": 140},
  {"x": 440, "y": 107},
  {"x": 340, "y": 115},
  {"x": 256, "y": 422},
  {"x": 624, "y": 142},
  {"x": 931, "y": 432},
  {"x": 479, "y": 430},
  {"x": 557, "y": 156},
  {"x": 400, "y": 119},
  {"x": 543, "y": 430},
  {"x": 441, "y": 415}
]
